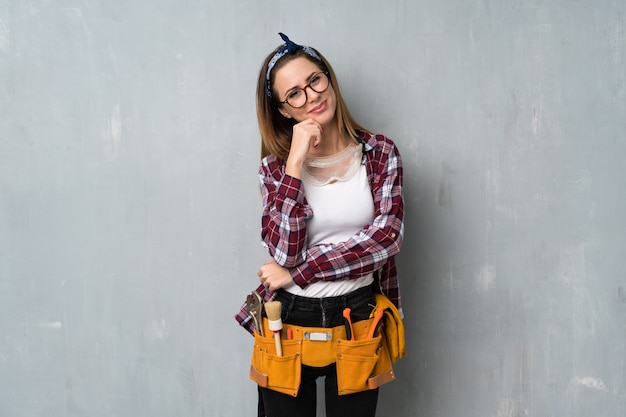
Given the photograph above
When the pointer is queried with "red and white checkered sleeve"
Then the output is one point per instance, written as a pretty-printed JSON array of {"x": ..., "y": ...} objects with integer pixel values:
[{"x": 283, "y": 227}]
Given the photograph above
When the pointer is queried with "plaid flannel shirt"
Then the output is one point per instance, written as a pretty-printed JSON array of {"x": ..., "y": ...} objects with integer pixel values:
[{"x": 372, "y": 250}]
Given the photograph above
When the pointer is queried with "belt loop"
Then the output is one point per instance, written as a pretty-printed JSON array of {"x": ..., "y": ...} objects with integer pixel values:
[
  {"x": 291, "y": 298},
  {"x": 323, "y": 311},
  {"x": 292, "y": 302}
]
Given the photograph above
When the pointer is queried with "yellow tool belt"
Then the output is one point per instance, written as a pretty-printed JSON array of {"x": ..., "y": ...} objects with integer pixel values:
[{"x": 362, "y": 363}]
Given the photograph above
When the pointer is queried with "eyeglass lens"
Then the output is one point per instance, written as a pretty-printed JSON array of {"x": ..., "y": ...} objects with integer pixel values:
[{"x": 298, "y": 98}]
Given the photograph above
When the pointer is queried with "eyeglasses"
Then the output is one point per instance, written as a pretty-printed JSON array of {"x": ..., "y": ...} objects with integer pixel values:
[{"x": 298, "y": 97}]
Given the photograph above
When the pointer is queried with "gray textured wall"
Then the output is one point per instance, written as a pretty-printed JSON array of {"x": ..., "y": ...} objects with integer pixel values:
[{"x": 129, "y": 204}]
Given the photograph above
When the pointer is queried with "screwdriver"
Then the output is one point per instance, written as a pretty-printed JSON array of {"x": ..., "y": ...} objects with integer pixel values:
[{"x": 348, "y": 323}]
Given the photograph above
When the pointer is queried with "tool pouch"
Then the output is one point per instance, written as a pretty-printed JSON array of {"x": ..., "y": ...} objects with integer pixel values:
[
  {"x": 394, "y": 328},
  {"x": 278, "y": 373},
  {"x": 362, "y": 363}
]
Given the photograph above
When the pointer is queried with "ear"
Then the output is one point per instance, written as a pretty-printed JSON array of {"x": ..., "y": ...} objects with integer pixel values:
[{"x": 284, "y": 113}]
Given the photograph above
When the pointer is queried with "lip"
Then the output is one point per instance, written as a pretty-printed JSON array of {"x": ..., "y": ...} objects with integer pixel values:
[{"x": 319, "y": 108}]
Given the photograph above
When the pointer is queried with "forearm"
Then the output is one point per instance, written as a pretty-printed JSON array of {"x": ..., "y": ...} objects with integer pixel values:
[{"x": 283, "y": 226}]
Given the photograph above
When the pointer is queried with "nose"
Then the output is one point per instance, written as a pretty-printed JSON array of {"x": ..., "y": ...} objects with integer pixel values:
[{"x": 306, "y": 93}]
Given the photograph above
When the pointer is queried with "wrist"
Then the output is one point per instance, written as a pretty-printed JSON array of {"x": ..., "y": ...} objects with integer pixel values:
[{"x": 293, "y": 168}]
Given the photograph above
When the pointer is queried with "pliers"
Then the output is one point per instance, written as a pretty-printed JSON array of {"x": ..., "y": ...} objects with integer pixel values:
[
  {"x": 254, "y": 304},
  {"x": 377, "y": 314}
]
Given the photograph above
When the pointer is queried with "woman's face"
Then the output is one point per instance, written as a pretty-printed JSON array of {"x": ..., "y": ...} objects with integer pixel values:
[{"x": 297, "y": 74}]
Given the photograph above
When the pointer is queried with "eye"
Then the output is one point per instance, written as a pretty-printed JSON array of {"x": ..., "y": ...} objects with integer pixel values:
[
  {"x": 294, "y": 95},
  {"x": 316, "y": 79}
]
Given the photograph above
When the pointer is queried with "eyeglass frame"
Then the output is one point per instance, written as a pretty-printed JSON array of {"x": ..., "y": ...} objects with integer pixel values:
[{"x": 306, "y": 96}]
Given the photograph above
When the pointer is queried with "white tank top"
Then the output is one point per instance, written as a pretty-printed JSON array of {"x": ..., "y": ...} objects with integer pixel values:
[{"x": 338, "y": 191}]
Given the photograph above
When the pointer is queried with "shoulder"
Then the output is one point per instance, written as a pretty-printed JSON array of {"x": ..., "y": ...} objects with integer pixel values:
[
  {"x": 378, "y": 143},
  {"x": 379, "y": 147}
]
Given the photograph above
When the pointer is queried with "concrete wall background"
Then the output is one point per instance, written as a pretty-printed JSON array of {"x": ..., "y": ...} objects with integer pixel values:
[{"x": 129, "y": 202}]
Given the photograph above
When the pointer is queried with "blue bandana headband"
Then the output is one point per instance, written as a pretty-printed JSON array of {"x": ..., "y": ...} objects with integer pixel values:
[{"x": 287, "y": 48}]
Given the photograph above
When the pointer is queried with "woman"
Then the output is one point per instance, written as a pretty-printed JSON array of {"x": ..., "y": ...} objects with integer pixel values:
[{"x": 332, "y": 216}]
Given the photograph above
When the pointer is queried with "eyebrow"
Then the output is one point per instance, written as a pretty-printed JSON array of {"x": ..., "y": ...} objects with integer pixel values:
[{"x": 307, "y": 81}]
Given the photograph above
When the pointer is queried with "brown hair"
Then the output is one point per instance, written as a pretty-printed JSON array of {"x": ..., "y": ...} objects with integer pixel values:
[{"x": 275, "y": 129}]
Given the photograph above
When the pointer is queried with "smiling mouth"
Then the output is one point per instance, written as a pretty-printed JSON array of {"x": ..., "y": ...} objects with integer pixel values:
[{"x": 319, "y": 108}]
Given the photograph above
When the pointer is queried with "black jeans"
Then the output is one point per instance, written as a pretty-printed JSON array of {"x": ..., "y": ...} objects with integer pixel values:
[{"x": 321, "y": 312}]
